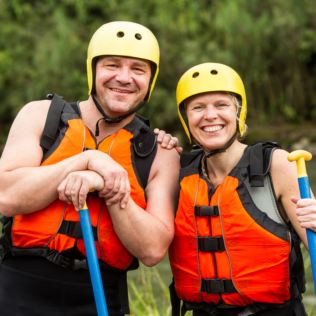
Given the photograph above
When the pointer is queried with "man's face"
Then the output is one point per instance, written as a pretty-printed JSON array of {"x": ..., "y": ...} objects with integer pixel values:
[{"x": 121, "y": 83}]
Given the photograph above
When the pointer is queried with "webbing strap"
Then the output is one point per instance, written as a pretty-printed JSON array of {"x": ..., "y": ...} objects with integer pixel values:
[
  {"x": 144, "y": 149},
  {"x": 73, "y": 229},
  {"x": 52, "y": 256},
  {"x": 206, "y": 210},
  {"x": 256, "y": 174},
  {"x": 217, "y": 286},
  {"x": 174, "y": 300},
  {"x": 211, "y": 244},
  {"x": 52, "y": 121}
]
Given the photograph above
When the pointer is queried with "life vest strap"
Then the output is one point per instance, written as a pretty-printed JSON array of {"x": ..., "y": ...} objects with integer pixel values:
[
  {"x": 51, "y": 125},
  {"x": 211, "y": 244},
  {"x": 50, "y": 254},
  {"x": 206, "y": 210},
  {"x": 73, "y": 229},
  {"x": 218, "y": 286}
]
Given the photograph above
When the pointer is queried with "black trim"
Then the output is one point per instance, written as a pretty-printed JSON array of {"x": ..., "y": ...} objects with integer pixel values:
[{"x": 259, "y": 216}]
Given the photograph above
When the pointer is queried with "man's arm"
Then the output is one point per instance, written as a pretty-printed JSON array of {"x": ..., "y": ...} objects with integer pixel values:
[
  {"x": 148, "y": 233},
  {"x": 25, "y": 186}
]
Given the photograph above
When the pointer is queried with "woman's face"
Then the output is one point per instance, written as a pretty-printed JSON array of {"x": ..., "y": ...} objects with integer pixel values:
[{"x": 212, "y": 119}]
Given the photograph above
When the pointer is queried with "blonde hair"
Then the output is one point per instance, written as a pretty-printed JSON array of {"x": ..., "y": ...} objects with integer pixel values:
[{"x": 237, "y": 102}]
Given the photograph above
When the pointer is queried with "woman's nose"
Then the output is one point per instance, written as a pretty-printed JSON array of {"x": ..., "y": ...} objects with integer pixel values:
[{"x": 210, "y": 112}]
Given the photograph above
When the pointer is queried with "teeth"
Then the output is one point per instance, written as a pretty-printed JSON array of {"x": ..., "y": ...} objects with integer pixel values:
[
  {"x": 119, "y": 90},
  {"x": 212, "y": 128}
]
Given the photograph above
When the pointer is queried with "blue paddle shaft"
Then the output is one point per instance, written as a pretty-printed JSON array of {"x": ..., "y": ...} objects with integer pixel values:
[
  {"x": 311, "y": 235},
  {"x": 93, "y": 263}
]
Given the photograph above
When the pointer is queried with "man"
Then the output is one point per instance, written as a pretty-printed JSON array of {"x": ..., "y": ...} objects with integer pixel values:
[{"x": 100, "y": 145}]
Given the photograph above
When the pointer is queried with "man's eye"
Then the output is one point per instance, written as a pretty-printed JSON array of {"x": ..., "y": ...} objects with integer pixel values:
[
  {"x": 111, "y": 66},
  {"x": 139, "y": 70}
]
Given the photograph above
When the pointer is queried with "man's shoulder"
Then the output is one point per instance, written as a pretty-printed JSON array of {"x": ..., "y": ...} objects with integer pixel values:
[
  {"x": 36, "y": 106},
  {"x": 167, "y": 157},
  {"x": 34, "y": 111}
]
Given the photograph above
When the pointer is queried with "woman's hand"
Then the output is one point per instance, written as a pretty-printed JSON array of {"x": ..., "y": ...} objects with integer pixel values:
[
  {"x": 306, "y": 212},
  {"x": 167, "y": 140}
]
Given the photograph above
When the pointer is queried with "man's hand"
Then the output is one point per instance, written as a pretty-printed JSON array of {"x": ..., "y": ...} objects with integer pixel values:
[
  {"x": 167, "y": 140},
  {"x": 76, "y": 186},
  {"x": 116, "y": 183}
]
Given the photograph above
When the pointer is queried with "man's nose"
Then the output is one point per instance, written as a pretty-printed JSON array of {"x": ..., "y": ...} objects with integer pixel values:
[{"x": 124, "y": 75}]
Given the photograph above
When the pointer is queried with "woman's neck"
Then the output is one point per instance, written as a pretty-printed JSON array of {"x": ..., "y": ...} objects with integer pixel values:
[{"x": 220, "y": 165}]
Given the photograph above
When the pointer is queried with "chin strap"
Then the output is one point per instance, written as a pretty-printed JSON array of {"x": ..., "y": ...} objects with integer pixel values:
[
  {"x": 111, "y": 120},
  {"x": 221, "y": 150}
]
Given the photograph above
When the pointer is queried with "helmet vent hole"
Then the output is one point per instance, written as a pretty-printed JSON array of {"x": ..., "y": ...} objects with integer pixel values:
[
  {"x": 214, "y": 72},
  {"x": 196, "y": 74},
  {"x": 138, "y": 36},
  {"x": 120, "y": 34}
]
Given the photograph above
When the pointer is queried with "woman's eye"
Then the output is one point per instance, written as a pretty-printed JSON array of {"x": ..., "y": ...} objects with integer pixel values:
[
  {"x": 222, "y": 105},
  {"x": 197, "y": 107}
]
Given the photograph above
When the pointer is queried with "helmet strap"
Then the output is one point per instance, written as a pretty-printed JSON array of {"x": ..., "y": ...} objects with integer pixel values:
[
  {"x": 111, "y": 120},
  {"x": 223, "y": 149}
]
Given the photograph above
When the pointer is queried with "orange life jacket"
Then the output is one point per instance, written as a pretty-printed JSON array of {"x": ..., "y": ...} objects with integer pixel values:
[
  {"x": 55, "y": 230},
  {"x": 226, "y": 250}
]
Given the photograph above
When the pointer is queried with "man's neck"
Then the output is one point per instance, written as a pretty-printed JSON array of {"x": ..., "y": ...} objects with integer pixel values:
[{"x": 90, "y": 115}]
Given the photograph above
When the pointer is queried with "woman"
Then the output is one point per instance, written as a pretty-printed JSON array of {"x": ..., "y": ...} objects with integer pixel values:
[{"x": 236, "y": 249}]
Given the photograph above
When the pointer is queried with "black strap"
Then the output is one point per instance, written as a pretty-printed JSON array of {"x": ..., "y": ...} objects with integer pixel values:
[
  {"x": 297, "y": 266},
  {"x": 211, "y": 244},
  {"x": 259, "y": 162},
  {"x": 206, "y": 210},
  {"x": 174, "y": 300},
  {"x": 50, "y": 254},
  {"x": 256, "y": 175},
  {"x": 218, "y": 286},
  {"x": 123, "y": 293},
  {"x": 73, "y": 229},
  {"x": 187, "y": 158},
  {"x": 5, "y": 239},
  {"x": 145, "y": 149},
  {"x": 113, "y": 120},
  {"x": 52, "y": 121}
]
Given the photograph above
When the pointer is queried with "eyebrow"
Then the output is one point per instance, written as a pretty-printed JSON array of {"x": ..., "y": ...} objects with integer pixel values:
[{"x": 135, "y": 60}]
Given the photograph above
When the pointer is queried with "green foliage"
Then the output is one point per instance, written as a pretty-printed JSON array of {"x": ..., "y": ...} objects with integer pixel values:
[
  {"x": 148, "y": 293},
  {"x": 270, "y": 43}
]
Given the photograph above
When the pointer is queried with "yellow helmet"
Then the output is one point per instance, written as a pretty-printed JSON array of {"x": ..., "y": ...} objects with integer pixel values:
[
  {"x": 121, "y": 38},
  {"x": 211, "y": 77}
]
